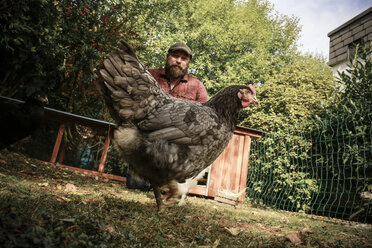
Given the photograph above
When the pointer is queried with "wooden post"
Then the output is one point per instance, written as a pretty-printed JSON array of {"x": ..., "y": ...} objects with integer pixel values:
[
  {"x": 104, "y": 152},
  {"x": 244, "y": 167},
  {"x": 62, "y": 154},
  {"x": 58, "y": 143}
]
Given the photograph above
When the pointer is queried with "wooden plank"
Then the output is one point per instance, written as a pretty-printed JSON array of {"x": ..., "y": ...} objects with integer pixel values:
[
  {"x": 198, "y": 190},
  {"x": 225, "y": 172},
  {"x": 236, "y": 166},
  {"x": 244, "y": 167},
  {"x": 217, "y": 173},
  {"x": 101, "y": 166},
  {"x": 61, "y": 116},
  {"x": 247, "y": 131},
  {"x": 225, "y": 200},
  {"x": 58, "y": 143},
  {"x": 94, "y": 173},
  {"x": 62, "y": 153}
]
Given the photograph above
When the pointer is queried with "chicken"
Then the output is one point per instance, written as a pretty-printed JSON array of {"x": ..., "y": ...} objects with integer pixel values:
[
  {"x": 166, "y": 140},
  {"x": 18, "y": 120}
]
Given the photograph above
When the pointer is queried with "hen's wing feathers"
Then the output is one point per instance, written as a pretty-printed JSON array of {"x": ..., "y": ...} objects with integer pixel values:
[
  {"x": 180, "y": 122},
  {"x": 129, "y": 89}
]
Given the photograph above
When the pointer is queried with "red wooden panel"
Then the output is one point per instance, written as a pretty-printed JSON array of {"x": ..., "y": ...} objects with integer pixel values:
[
  {"x": 58, "y": 143},
  {"x": 198, "y": 190},
  {"x": 226, "y": 170},
  {"x": 244, "y": 167},
  {"x": 104, "y": 152},
  {"x": 95, "y": 173}
]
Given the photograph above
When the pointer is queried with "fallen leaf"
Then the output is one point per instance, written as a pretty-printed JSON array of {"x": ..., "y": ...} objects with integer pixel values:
[
  {"x": 307, "y": 230},
  {"x": 285, "y": 219},
  {"x": 70, "y": 187},
  {"x": 46, "y": 184},
  {"x": 109, "y": 229},
  {"x": 216, "y": 243},
  {"x": 295, "y": 237},
  {"x": 61, "y": 198},
  {"x": 233, "y": 230}
]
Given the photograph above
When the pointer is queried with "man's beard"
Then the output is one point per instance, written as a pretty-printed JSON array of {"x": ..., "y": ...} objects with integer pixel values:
[{"x": 174, "y": 71}]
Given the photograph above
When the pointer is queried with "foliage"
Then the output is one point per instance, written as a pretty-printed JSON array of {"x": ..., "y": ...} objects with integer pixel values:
[
  {"x": 353, "y": 106},
  {"x": 233, "y": 42},
  {"x": 327, "y": 155},
  {"x": 288, "y": 103},
  {"x": 351, "y": 114},
  {"x": 294, "y": 96},
  {"x": 278, "y": 174},
  {"x": 57, "y": 46},
  {"x": 354, "y": 90}
]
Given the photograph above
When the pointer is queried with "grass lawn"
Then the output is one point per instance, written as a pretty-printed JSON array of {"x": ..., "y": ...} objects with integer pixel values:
[{"x": 42, "y": 205}]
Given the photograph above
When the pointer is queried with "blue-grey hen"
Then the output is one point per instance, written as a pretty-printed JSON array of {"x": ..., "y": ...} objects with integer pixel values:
[{"x": 166, "y": 140}]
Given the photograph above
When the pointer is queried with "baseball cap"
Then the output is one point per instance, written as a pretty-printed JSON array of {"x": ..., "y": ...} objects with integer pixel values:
[{"x": 180, "y": 46}]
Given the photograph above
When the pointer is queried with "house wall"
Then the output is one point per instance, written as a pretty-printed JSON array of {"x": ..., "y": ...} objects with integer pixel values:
[{"x": 359, "y": 27}]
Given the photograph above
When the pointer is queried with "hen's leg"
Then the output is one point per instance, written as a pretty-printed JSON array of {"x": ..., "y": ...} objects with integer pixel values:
[
  {"x": 182, "y": 201},
  {"x": 158, "y": 197},
  {"x": 173, "y": 193}
]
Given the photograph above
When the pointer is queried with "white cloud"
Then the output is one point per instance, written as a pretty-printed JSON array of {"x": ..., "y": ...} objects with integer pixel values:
[{"x": 318, "y": 18}]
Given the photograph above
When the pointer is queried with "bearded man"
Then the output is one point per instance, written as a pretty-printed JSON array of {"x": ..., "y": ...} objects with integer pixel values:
[
  {"x": 176, "y": 82},
  {"x": 174, "y": 78}
]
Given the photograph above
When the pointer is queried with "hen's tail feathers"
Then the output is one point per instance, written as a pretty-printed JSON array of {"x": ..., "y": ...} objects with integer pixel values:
[{"x": 129, "y": 89}]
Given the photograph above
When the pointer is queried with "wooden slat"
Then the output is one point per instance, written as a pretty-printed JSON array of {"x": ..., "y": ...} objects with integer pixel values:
[
  {"x": 248, "y": 131},
  {"x": 198, "y": 190},
  {"x": 62, "y": 153},
  {"x": 101, "y": 166},
  {"x": 225, "y": 173},
  {"x": 226, "y": 200},
  {"x": 94, "y": 173},
  {"x": 58, "y": 143},
  {"x": 238, "y": 155},
  {"x": 244, "y": 167}
]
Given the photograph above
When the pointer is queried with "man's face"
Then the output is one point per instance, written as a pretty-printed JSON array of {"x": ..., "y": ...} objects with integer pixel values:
[{"x": 177, "y": 64}]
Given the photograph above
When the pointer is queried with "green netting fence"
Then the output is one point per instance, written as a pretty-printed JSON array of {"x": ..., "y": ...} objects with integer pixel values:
[{"x": 324, "y": 169}]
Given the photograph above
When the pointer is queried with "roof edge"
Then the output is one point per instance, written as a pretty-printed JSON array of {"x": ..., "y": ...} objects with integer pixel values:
[{"x": 350, "y": 21}]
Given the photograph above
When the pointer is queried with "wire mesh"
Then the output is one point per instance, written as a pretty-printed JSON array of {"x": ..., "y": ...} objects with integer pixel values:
[{"x": 324, "y": 170}]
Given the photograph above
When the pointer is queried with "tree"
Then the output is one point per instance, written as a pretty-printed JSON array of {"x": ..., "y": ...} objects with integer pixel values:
[
  {"x": 234, "y": 42},
  {"x": 57, "y": 45},
  {"x": 293, "y": 96}
]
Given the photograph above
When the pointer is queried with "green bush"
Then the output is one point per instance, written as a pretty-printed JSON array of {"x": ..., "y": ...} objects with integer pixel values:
[{"x": 56, "y": 46}]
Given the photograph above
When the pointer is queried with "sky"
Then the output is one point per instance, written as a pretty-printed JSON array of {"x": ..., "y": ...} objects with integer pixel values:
[{"x": 319, "y": 17}]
